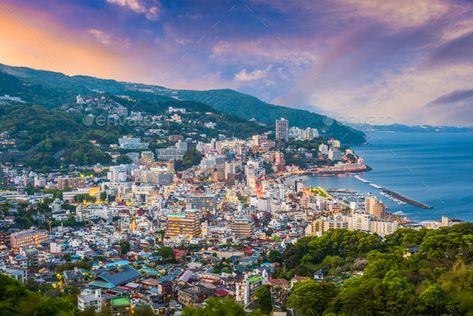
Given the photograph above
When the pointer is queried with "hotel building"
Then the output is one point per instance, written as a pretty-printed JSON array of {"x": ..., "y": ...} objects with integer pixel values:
[
  {"x": 185, "y": 224},
  {"x": 27, "y": 238}
]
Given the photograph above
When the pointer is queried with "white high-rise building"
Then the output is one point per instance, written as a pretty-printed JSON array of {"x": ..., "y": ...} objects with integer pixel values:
[
  {"x": 117, "y": 173},
  {"x": 282, "y": 129},
  {"x": 323, "y": 149}
]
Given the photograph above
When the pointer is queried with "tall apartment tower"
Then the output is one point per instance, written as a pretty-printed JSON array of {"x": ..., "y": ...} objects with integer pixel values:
[
  {"x": 282, "y": 129},
  {"x": 374, "y": 206}
]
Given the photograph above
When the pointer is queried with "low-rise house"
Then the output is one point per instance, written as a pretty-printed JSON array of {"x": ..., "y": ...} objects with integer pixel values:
[
  {"x": 193, "y": 295},
  {"x": 73, "y": 277}
]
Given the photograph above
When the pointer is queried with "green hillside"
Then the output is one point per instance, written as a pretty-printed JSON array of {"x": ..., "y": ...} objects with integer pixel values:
[
  {"x": 249, "y": 107},
  {"x": 51, "y": 89}
]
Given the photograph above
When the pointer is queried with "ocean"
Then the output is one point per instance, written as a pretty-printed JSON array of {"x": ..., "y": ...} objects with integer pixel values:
[{"x": 433, "y": 168}]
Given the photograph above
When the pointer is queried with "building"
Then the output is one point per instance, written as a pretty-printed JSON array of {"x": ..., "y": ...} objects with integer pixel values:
[
  {"x": 119, "y": 276},
  {"x": 242, "y": 227},
  {"x": 147, "y": 157},
  {"x": 73, "y": 277},
  {"x": 335, "y": 143},
  {"x": 334, "y": 154},
  {"x": 374, "y": 206},
  {"x": 323, "y": 149},
  {"x": 70, "y": 182},
  {"x": 171, "y": 153},
  {"x": 128, "y": 142},
  {"x": 361, "y": 221},
  {"x": 303, "y": 133},
  {"x": 246, "y": 288},
  {"x": 80, "y": 99},
  {"x": 282, "y": 129},
  {"x": 279, "y": 162},
  {"x": 90, "y": 298},
  {"x": 193, "y": 295},
  {"x": 203, "y": 202},
  {"x": 185, "y": 224},
  {"x": 27, "y": 238},
  {"x": 253, "y": 171},
  {"x": 121, "y": 306},
  {"x": 32, "y": 256},
  {"x": 383, "y": 228},
  {"x": 117, "y": 174},
  {"x": 324, "y": 224},
  {"x": 17, "y": 274},
  {"x": 356, "y": 221}
]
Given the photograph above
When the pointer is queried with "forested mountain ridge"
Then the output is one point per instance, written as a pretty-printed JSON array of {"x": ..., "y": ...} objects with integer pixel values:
[{"x": 51, "y": 89}]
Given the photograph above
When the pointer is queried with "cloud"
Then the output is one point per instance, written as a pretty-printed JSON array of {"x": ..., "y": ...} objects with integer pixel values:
[
  {"x": 400, "y": 13},
  {"x": 459, "y": 49},
  {"x": 108, "y": 40},
  {"x": 137, "y": 6},
  {"x": 459, "y": 28},
  {"x": 43, "y": 43},
  {"x": 100, "y": 36},
  {"x": 452, "y": 97},
  {"x": 371, "y": 59},
  {"x": 455, "y": 106},
  {"x": 152, "y": 13},
  {"x": 399, "y": 96},
  {"x": 244, "y": 75}
]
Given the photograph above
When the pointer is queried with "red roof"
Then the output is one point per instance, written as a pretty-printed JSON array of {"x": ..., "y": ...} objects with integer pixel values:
[
  {"x": 247, "y": 250},
  {"x": 221, "y": 293},
  {"x": 278, "y": 282}
]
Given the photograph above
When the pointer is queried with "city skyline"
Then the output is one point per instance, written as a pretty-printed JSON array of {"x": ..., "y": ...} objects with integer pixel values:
[{"x": 357, "y": 60}]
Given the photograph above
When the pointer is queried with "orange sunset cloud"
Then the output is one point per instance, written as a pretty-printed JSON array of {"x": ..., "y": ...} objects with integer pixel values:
[{"x": 28, "y": 40}]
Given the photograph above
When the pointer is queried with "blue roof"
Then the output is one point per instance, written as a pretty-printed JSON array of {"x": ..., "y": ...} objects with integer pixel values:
[
  {"x": 149, "y": 271},
  {"x": 120, "y": 276},
  {"x": 166, "y": 278},
  {"x": 116, "y": 263}
]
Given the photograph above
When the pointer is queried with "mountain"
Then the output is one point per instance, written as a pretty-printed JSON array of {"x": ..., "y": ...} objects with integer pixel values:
[
  {"x": 52, "y": 89},
  {"x": 409, "y": 128}
]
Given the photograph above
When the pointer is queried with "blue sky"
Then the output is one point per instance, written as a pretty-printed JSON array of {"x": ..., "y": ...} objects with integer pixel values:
[{"x": 358, "y": 60}]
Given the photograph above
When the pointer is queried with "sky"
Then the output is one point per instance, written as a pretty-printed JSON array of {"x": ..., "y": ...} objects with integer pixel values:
[{"x": 371, "y": 61}]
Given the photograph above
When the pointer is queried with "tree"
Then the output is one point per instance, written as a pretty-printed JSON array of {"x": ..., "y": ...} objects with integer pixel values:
[
  {"x": 215, "y": 307},
  {"x": 15, "y": 299},
  {"x": 143, "y": 311},
  {"x": 103, "y": 196},
  {"x": 275, "y": 256},
  {"x": 84, "y": 197},
  {"x": 124, "y": 159},
  {"x": 433, "y": 301},
  {"x": 395, "y": 294},
  {"x": 167, "y": 253},
  {"x": 191, "y": 158},
  {"x": 311, "y": 298},
  {"x": 263, "y": 298},
  {"x": 124, "y": 247}
]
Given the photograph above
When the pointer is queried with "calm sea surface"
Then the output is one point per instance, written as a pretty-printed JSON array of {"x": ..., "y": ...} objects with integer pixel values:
[{"x": 432, "y": 168}]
